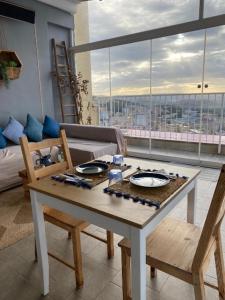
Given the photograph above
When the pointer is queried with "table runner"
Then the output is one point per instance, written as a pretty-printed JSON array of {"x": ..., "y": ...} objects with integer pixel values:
[{"x": 145, "y": 196}]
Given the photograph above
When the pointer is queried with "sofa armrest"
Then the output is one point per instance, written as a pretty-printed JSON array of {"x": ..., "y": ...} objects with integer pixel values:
[{"x": 96, "y": 133}]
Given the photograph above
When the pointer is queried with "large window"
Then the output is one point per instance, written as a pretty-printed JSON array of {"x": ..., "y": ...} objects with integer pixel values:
[{"x": 166, "y": 84}]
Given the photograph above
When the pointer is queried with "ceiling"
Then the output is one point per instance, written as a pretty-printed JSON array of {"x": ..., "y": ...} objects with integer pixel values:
[{"x": 67, "y": 5}]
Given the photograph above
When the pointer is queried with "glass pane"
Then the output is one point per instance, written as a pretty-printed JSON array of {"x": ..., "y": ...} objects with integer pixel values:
[
  {"x": 94, "y": 67},
  {"x": 100, "y": 72},
  {"x": 214, "y": 89},
  {"x": 215, "y": 60},
  {"x": 112, "y": 18},
  {"x": 177, "y": 63},
  {"x": 130, "y": 82},
  {"x": 130, "y": 69},
  {"x": 177, "y": 66},
  {"x": 101, "y": 85},
  {"x": 213, "y": 8}
]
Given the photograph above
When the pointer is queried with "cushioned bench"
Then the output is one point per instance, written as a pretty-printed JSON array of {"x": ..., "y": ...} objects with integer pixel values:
[
  {"x": 11, "y": 161},
  {"x": 85, "y": 150},
  {"x": 90, "y": 142}
]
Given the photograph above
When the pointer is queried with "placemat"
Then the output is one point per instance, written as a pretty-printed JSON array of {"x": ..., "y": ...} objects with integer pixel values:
[
  {"x": 99, "y": 178},
  {"x": 95, "y": 178},
  {"x": 145, "y": 196}
]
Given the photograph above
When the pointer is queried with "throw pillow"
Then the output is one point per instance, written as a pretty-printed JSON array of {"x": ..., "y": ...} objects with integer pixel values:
[
  {"x": 3, "y": 142},
  {"x": 13, "y": 130},
  {"x": 51, "y": 128},
  {"x": 33, "y": 129}
]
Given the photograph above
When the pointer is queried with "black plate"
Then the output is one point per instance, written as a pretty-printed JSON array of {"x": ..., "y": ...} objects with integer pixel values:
[{"x": 92, "y": 168}]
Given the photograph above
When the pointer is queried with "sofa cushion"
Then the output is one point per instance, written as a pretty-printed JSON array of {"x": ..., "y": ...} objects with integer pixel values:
[
  {"x": 11, "y": 162},
  {"x": 96, "y": 133},
  {"x": 85, "y": 150},
  {"x": 51, "y": 128},
  {"x": 33, "y": 129},
  {"x": 3, "y": 142},
  {"x": 13, "y": 130}
]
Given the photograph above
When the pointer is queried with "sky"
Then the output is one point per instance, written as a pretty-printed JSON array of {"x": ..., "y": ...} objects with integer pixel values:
[{"x": 169, "y": 65}]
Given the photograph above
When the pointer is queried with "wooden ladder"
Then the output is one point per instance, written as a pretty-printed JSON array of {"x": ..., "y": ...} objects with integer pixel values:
[{"x": 66, "y": 82}]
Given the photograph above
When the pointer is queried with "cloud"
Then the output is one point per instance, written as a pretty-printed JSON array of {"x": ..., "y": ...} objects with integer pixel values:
[
  {"x": 177, "y": 61},
  {"x": 112, "y": 18}
]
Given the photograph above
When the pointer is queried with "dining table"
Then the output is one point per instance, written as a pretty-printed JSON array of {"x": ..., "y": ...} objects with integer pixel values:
[{"x": 125, "y": 217}]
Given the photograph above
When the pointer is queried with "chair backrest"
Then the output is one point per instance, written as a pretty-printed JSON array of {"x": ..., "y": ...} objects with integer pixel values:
[
  {"x": 28, "y": 148},
  {"x": 213, "y": 221}
]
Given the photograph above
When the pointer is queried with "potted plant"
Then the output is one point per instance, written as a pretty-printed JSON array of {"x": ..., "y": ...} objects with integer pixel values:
[
  {"x": 13, "y": 70},
  {"x": 3, "y": 73},
  {"x": 80, "y": 88},
  {"x": 10, "y": 66}
]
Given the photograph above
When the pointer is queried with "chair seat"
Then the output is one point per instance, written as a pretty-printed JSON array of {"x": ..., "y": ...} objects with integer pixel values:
[
  {"x": 62, "y": 219},
  {"x": 173, "y": 243}
]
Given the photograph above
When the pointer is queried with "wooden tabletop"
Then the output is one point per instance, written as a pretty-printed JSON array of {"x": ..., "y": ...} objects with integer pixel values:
[{"x": 117, "y": 208}]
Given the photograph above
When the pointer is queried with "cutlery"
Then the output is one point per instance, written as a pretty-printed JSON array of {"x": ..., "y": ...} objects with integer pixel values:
[
  {"x": 77, "y": 177},
  {"x": 76, "y": 182}
]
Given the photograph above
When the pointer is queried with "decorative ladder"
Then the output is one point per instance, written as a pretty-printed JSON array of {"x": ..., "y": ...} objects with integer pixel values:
[{"x": 66, "y": 82}]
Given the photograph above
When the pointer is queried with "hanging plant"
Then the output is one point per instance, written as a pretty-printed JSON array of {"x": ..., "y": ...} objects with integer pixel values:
[
  {"x": 10, "y": 66},
  {"x": 4, "y": 74}
]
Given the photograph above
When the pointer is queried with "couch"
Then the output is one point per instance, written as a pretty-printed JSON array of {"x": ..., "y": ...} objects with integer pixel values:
[
  {"x": 90, "y": 142},
  {"x": 85, "y": 143}
]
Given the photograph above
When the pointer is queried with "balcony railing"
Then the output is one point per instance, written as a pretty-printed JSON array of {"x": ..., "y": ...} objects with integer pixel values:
[{"x": 197, "y": 118}]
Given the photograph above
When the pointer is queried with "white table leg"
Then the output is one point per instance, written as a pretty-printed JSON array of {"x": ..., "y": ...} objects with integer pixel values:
[
  {"x": 191, "y": 205},
  {"x": 138, "y": 264},
  {"x": 41, "y": 243}
]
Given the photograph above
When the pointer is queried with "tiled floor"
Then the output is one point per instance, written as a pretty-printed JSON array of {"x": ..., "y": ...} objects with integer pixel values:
[{"x": 19, "y": 277}]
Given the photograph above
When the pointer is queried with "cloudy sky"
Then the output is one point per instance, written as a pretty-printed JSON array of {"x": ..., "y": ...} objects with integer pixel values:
[{"x": 177, "y": 61}]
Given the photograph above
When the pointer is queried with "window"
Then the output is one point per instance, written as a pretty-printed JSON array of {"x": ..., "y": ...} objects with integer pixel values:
[
  {"x": 214, "y": 7},
  {"x": 112, "y": 18}
]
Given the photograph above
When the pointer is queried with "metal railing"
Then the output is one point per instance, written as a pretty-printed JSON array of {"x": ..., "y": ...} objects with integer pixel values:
[{"x": 197, "y": 118}]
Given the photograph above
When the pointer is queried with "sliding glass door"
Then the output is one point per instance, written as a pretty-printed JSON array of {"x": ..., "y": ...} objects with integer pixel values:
[
  {"x": 130, "y": 86},
  {"x": 176, "y": 101},
  {"x": 213, "y": 126}
]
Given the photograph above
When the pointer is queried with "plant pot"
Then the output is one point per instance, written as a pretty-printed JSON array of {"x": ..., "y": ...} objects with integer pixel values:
[
  {"x": 13, "y": 72},
  {"x": 7, "y": 56}
]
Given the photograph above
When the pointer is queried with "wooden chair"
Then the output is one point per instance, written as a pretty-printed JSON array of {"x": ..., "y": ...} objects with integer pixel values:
[
  {"x": 184, "y": 250},
  {"x": 62, "y": 220}
]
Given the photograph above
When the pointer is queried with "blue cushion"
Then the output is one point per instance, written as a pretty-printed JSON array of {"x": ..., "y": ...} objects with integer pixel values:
[
  {"x": 3, "y": 142},
  {"x": 33, "y": 129},
  {"x": 51, "y": 128},
  {"x": 13, "y": 130}
]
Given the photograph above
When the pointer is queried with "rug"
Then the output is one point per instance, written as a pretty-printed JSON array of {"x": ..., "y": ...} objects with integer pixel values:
[{"x": 15, "y": 217}]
